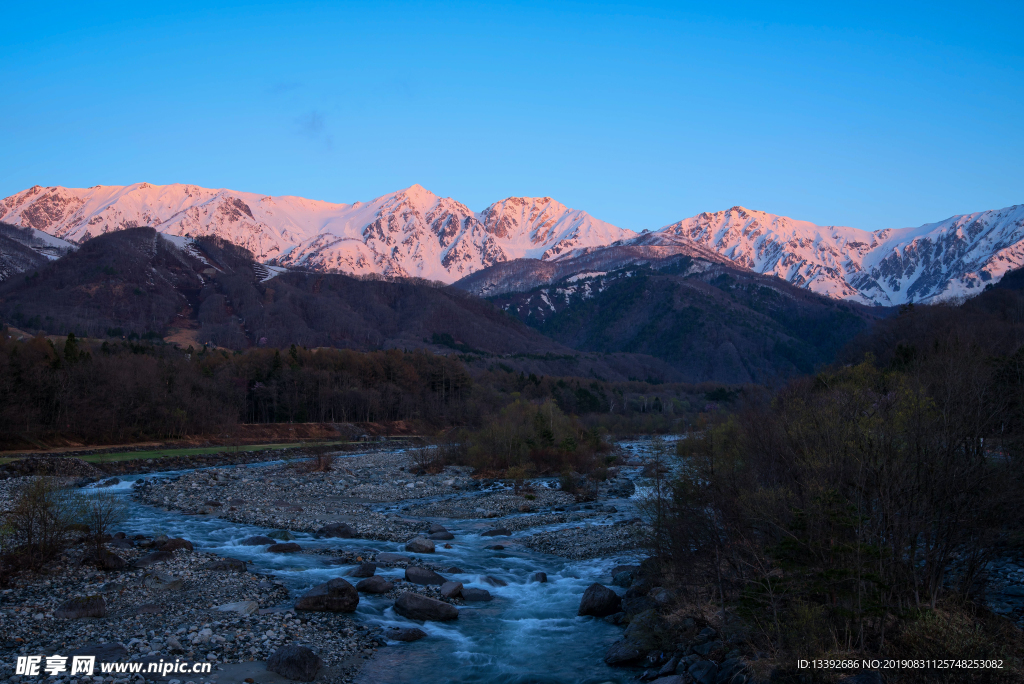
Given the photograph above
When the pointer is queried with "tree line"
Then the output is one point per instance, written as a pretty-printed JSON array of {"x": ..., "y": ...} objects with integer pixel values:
[
  {"x": 119, "y": 392},
  {"x": 856, "y": 510}
]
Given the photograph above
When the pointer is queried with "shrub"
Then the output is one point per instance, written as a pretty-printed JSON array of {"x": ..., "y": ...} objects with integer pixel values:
[
  {"x": 99, "y": 513},
  {"x": 40, "y": 523}
]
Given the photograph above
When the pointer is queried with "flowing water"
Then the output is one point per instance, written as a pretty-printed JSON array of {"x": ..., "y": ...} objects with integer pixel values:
[{"x": 529, "y": 633}]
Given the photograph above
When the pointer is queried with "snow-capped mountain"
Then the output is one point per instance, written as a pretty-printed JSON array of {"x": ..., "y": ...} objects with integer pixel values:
[
  {"x": 412, "y": 232},
  {"x": 936, "y": 261}
]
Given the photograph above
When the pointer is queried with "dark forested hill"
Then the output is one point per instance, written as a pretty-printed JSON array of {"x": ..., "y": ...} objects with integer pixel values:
[
  {"x": 136, "y": 283},
  {"x": 709, "y": 321}
]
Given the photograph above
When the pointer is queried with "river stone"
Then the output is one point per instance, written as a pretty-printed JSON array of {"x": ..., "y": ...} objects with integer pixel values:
[
  {"x": 258, "y": 540},
  {"x": 363, "y": 570},
  {"x": 282, "y": 535},
  {"x": 82, "y": 607},
  {"x": 494, "y": 581},
  {"x": 290, "y": 547},
  {"x": 435, "y": 528},
  {"x": 152, "y": 559},
  {"x": 387, "y": 557},
  {"x": 162, "y": 581},
  {"x": 419, "y": 607},
  {"x": 672, "y": 679},
  {"x": 729, "y": 669},
  {"x": 648, "y": 631},
  {"x": 497, "y": 532},
  {"x": 624, "y": 578},
  {"x": 419, "y": 545},
  {"x": 495, "y": 547},
  {"x": 708, "y": 650},
  {"x": 337, "y": 529},
  {"x": 337, "y": 596},
  {"x": 625, "y": 568},
  {"x": 374, "y": 585},
  {"x": 108, "y": 560},
  {"x": 541, "y": 577},
  {"x": 598, "y": 600},
  {"x": 172, "y": 545},
  {"x": 704, "y": 672},
  {"x": 456, "y": 570},
  {"x": 104, "y": 653},
  {"x": 405, "y": 634},
  {"x": 451, "y": 589},
  {"x": 420, "y": 575},
  {"x": 240, "y": 607},
  {"x": 622, "y": 652},
  {"x": 441, "y": 536},
  {"x": 635, "y": 606},
  {"x": 226, "y": 565},
  {"x": 471, "y": 594},
  {"x": 295, "y": 662}
]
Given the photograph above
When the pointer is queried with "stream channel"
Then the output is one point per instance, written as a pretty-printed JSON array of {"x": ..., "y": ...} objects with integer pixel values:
[{"x": 529, "y": 633}]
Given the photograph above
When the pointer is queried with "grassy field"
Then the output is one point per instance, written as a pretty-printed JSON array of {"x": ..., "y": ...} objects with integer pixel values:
[{"x": 169, "y": 453}]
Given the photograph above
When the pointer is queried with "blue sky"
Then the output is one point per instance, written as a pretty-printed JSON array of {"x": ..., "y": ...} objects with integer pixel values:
[{"x": 880, "y": 115}]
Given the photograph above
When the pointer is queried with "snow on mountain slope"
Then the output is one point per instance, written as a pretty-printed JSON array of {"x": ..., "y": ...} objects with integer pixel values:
[
  {"x": 936, "y": 261},
  {"x": 412, "y": 232}
]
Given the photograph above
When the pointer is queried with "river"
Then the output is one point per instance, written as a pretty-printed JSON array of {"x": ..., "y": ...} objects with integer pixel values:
[{"x": 529, "y": 633}]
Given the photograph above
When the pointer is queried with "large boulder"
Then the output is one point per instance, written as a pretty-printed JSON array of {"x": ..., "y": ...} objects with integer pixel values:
[
  {"x": 108, "y": 561},
  {"x": 258, "y": 540},
  {"x": 388, "y": 557},
  {"x": 152, "y": 559},
  {"x": 494, "y": 581},
  {"x": 226, "y": 565},
  {"x": 290, "y": 547},
  {"x": 435, "y": 528},
  {"x": 622, "y": 652},
  {"x": 172, "y": 545},
  {"x": 419, "y": 545},
  {"x": 374, "y": 585},
  {"x": 599, "y": 601},
  {"x": 162, "y": 581},
  {"x": 471, "y": 594},
  {"x": 82, "y": 607},
  {"x": 337, "y": 596},
  {"x": 295, "y": 662},
  {"x": 451, "y": 589},
  {"x": 420, "y": 575},
  {"x": 441, "y": 536},
  {"x": 337, "y": 529},
  {"x": 419, "y": 607},
  {"x": 539, "y": 576},
  {"x": 363, "y": 570},
  {"x": 648, "y": 631},
  {"x": 281, "y": 535}
]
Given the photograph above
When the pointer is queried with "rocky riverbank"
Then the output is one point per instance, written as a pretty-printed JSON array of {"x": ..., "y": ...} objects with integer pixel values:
[
  {"x": 186, "y": 604},
  {"x": 289, "y": 497}
]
